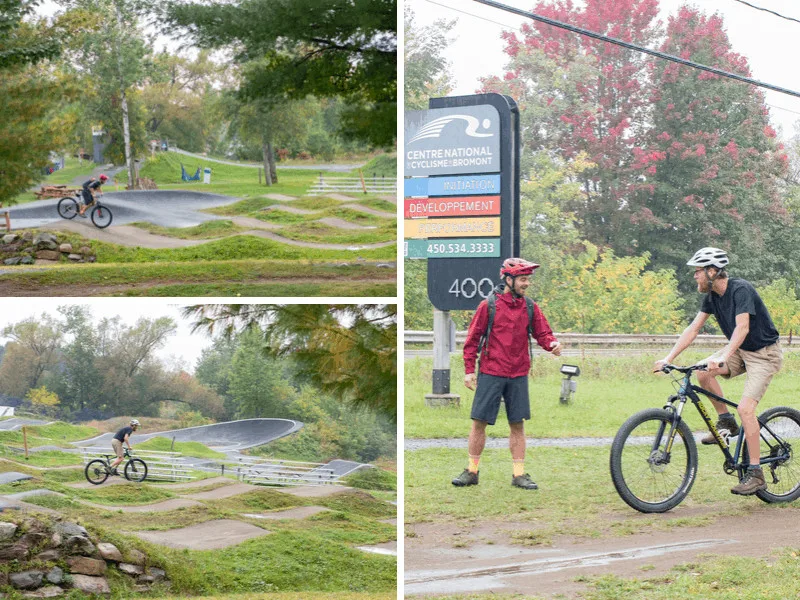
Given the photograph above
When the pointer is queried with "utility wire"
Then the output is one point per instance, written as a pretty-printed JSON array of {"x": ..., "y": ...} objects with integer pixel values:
[
  {"x": 656, "y": 53},
  {"x": 768, "y": 11}
]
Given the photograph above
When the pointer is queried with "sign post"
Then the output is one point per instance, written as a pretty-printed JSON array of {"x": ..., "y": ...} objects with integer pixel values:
[{"x": 461, "y": 206}]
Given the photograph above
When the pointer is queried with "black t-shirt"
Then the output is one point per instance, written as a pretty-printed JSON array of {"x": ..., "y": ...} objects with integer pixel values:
[
  {"x": 741, "y": 297},
  {"x": 92, "y": 185},
  {"x": 120, "y": 435}
]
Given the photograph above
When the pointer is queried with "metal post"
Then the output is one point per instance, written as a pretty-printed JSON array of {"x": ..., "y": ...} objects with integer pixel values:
[
  {"x": 442, "y": 346},
  {"x": 25, "y": 440}
]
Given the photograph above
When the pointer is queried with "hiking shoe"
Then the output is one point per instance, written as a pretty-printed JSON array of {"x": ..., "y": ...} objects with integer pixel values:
[
  {"x": 524, "y": 482},
  {"x": 116, "y": 472},
  {"x": 466, "y": 478},
  {"x": 726, "y": 427},
  {"x": 752, "y": 482},
  {"x": 82, "y": 216}
]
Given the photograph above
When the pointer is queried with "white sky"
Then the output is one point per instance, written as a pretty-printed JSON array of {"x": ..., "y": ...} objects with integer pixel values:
[
  {"x": 770, "y": 43},
  {"x": 182, "y": 345}
]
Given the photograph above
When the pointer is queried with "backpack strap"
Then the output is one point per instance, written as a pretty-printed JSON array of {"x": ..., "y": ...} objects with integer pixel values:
[
  {"x": 483, "y": 346},
  {"x": 529, "y": 304}
]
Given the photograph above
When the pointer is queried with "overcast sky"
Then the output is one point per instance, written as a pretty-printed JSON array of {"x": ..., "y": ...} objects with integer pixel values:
[
  {"x": 769, "y": 42},
  {"x": 183, "y": 345}
]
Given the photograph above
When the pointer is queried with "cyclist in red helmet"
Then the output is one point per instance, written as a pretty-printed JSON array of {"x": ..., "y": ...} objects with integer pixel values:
[
  {"x": 500, "y": 331},
  {"x": 89, "y": 189}
]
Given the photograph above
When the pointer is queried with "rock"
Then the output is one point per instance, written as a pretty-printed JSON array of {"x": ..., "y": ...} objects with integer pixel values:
[
  {"x": 57, "y": 539},
  {"x": 15, "y": 552},
  {"x": 48, "y": 255},
  {"x": 85, "y": 250},
  {"x": 65, "y": 248},
  {"x": 13, "y": 261},
  {"x": 135, "y": 557},
  {"x": 139, "y": 589},
  {"x": 3, "y": 581},
  {"x": 78, "y": 544},
  {"x": 7, "y": 531},
  {"x": 109, "y": 552},
  {"x": 26, "y": 260},
  {"x": 27, "y": 580},
  {"x": 75, "y": 257},
  {"x": 55, "y": 575},
  {"x": 45, "y": 239},
  {"x": 91, "y": 259},
  {"x": 31, "y": 540},
  {"x": 68, "y": 529},
  {"x": 86, "y": 566},
  {"x": 50, "y": 591},
  {"x": 130, "y": 569},
  {"x": 10, "y": 238},
  {"x": 48, "y": 555},
  {"x": 146, "y": 579},
  {"x": 91, "y": 585},
  {"x": 27, "y": 236},
  {"x": 158, "y": 574}
]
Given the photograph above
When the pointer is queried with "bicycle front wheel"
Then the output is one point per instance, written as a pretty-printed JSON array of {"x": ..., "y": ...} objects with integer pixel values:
[
  {"x": 136, "y": 470},
  {"x": 101, "y": 217},
  {"x": 780, "y": 437},
  {"x": 67, "y": 208},
  {"x": 96, "y": 471},
  {"x": 647, "y": 476}
]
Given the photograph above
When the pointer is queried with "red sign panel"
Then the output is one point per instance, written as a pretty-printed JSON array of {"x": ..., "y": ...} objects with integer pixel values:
[{"x": 466, "y": 206}]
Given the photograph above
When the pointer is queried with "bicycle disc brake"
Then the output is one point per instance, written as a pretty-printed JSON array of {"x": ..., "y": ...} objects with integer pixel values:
[{"x": 658, "y": 461}]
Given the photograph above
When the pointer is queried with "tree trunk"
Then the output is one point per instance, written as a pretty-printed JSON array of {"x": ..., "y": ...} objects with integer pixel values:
[
  {"x": 126, "y": 130},
  {"x": 273, "y": 169},
  {"x": 265, "y": 150}
]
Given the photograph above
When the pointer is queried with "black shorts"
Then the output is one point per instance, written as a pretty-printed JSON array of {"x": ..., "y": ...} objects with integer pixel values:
[{"x": 513, "y": 390}]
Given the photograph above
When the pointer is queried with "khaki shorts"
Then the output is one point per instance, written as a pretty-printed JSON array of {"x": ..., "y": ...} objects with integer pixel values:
[
  {"x": 117, "y": 446},
  {"x": 759, "y": 366}
]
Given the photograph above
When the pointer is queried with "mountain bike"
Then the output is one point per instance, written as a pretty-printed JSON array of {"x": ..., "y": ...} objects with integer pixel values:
[
  {"x": 69, "y": 207},
  {"x": 98, "y": 470},
  {"x": 654, "y": 454}
]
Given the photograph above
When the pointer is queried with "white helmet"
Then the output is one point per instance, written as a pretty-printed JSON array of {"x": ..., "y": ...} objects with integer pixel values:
[
  {"x": 709, "y": 257},
  {"x": 134, "y": 422}
]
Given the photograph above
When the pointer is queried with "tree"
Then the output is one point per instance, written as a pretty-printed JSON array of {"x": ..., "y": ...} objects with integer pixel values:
[
  {"x": 16, "y": 370},
  {"x": 21, "y": 44},
  {"x": 41, "y": 397},
  {"x": 42, "y": 338},
  {"x": 425, "y": 69},
  {"x": 349, "y": 351},
  {"x": 347, "y": 50},
  {"x": 256, "y": 384}
]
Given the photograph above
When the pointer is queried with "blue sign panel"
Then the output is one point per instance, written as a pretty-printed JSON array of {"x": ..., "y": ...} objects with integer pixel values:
[{"x": 454, "y": 185}]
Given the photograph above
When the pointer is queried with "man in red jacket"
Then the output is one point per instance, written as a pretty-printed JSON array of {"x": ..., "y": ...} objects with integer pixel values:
[{"x": 504, "y": 366}]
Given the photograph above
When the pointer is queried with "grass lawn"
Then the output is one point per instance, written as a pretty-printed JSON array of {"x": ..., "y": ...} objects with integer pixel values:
[
  {"x": 204, "y": 231},
  {"x": 610, "y": 389},
  {"x": 196, "y": 449},
  {"x": 63, "y": 176}
]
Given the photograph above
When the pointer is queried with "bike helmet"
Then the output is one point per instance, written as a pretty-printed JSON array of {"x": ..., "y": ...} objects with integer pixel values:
[
  {"x": 104, "y": 177},
  {"x": 517, "y": 266},
  {"x": 709, "y": 257},
  {"x": 134, "y": 423}
]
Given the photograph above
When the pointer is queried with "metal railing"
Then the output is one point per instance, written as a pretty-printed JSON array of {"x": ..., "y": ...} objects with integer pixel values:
[
  {"x": 161, "y": 466},
  {"x": 267, "y": 471},
  {"x": 366, "y": 185}
]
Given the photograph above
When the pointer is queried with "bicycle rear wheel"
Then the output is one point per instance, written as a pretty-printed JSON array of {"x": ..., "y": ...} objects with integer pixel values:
[
  {"x": 67, "y": 208},
  {"x": 646, "y": 477},
  {"x": 101, "y": 217},
  {"x": 136, "y": 470},
  {"x": 780, "y": 437},
  {"x": 96, "y": 471}
]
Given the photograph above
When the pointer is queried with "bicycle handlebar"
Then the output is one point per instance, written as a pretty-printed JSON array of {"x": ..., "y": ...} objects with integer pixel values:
[{"x": 668, "y": 368}]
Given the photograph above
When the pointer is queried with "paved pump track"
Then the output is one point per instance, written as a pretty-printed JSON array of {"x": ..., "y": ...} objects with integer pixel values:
[{"x": 223, "y": 437}]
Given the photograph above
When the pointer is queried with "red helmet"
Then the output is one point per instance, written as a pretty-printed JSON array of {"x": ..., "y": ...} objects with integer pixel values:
[
  {"x": 103, "y": 177},
  {"x": 517, "y": 266}
]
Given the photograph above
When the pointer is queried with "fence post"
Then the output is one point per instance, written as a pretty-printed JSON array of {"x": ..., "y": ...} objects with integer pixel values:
[
  {"x": 172, "y": 447},
  {"x": 363, "y": 185},
  {"x": 25, "y": 440}
]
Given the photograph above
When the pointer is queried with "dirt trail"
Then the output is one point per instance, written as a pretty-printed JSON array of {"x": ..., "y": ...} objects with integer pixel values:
[{"x": 434, "y": 565}]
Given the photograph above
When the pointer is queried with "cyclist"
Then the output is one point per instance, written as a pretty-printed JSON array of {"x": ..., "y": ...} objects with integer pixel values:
[
  {"x": 752, "y": 349},
  {"x": 123, "y": 436},
  {"x": 504, "y": 366},
  {"x": 89, "y": 189}
]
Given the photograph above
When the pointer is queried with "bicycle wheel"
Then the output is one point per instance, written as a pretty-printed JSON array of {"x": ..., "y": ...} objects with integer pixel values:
[
  {"x": 101, "y": 217},
  {"x": 96, "y": 471},
  {"x": 780, "y": 438},
  {"x": 645, "y": 476},
  {"x": 136, "y": 470},
  {"x": 67, "y": 208}
]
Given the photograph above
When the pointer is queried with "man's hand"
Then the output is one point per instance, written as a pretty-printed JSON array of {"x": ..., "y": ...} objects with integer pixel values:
[
  {"x": 659, "y": 364},
  {"x": 555, "y": 348},
  {"x": 471, "y": 381},
  {"x": 714, "y": 364}
]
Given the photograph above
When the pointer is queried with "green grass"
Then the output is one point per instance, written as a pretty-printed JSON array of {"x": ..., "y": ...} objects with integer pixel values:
[
  {"x": 321, "y": 233},
  {"x": 372, "y": 479},
  {"x": 343, "y": 289},
  {"x": 378, "y": 204},
  {"x": 381, "y": 165},
  {"x": 64, "y": 176},
  {"x": 46, "y": 458},
  {"x": 316, "y": 203},
  {"x": 610, "y": 389},
  {"x": 243, "y": 207},
  {"x": 196, "y": 449},
  {"x": 204, "y": 231},
  {"x": 283, "y": 217}
]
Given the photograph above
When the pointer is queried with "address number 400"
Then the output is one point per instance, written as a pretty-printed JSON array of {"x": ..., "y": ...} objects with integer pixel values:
[{"x": 468, "y": 287}]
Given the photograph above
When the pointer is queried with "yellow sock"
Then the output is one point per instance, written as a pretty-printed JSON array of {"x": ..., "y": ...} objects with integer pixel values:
[
  {"x": 473, "y": 463},
  {"x": 519, "y": 467}
]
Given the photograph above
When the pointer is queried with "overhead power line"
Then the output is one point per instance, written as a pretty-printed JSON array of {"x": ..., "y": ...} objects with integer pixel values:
[
  {"x": 768, "y": 11},
  {"x": 628, "y": 45}
]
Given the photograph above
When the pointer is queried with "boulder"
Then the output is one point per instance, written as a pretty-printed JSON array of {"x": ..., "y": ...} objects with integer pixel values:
[
  {"x": 51, "y": 555},
  {"x": 109, "y": 552},
  {"x": 65, "y": 248},
  {"x": 10, "y": 238},
  {"x": 136, "y": 558},
  {"x": 75, "y": 257},
  {"x": 91, "y": 259},
  {"x": 77, "y": 544},
  {"x": 48, "y": 255},
  {"x": 91, "y": 585},
  {"x": 158, "y": 574},
  {"x": 86, "y": 566},
  {"x": 129, "y": 569},
  {"x": 145, "y": 579},
  {"x": 7, "y": 531},
  {"x": 68, "y": 529},
  {"x": 85, "y": 250},
  {"x": 50, "y": 591},
  {"x": 27, "y": 580},
  {"x": 55, "y": 575},
  {"x": 31, "y": 540},
  {"x": 57, "y": 539},
  {"x": 15, "y": 552},
  {"x": 13, "y": 261},
  {"x": 45, "y": 239},
  {"x": 26, "y": 260},
  {"x": 27, "y": 236}
]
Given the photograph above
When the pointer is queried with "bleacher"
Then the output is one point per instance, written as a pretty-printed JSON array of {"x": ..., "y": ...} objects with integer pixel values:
[
  {"x": 161, "y": 466},
  {"x": 265, "y": 471},
  {"x": 353, "y": 185}
]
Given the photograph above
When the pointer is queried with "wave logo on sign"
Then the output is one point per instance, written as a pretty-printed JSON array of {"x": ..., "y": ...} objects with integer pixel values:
[{"x": 435, "y": 127}]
